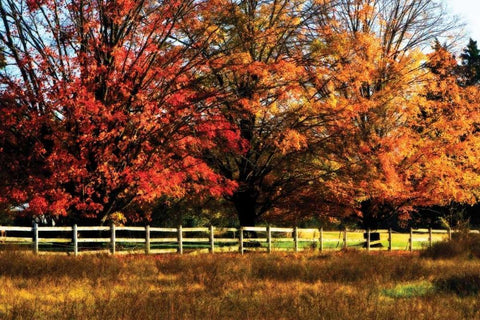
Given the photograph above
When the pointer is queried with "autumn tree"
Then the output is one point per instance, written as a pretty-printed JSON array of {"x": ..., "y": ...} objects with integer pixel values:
[
  {"x": 369, "y": 137},
  {"x": 377, "y": 85},
  {"x": 400, "y": 25},
  {"x": 100, "y": 112},
  {"x": 279, "y": 106},
  {"x": 296, "y": 77},
  {"x": 255, "y": 55},
  {"x": 368, "y": 72},
  {"x": 452, "y": 114}
]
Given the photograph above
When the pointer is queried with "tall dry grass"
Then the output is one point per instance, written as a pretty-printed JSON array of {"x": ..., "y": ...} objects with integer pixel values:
[{"x": 345, "y": 285}]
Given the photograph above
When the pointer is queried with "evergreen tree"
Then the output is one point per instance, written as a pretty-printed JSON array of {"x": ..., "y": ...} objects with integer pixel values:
[{"x": 470, "y": 64}]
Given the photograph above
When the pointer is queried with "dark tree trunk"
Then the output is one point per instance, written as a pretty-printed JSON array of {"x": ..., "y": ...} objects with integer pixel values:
[
  {"x": 245, "y": 202},
  {"x": 369, "y": 220},
  {"x": 378, "y": 215}
]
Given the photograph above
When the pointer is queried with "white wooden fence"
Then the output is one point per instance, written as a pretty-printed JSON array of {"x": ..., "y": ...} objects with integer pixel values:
[{"x": 115, "y": 239}]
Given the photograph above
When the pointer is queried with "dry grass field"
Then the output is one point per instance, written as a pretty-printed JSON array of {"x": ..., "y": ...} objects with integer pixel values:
[{"x": 338, "y": 285}]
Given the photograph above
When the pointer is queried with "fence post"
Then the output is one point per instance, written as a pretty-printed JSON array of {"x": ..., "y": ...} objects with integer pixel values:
[
  {"x": 345, "y": 239},
  {"x": 75, "y": 240},
  {"x": 295, "y": 238},
  {"x": 368, "y": 239},
  {"x": 180, "y": 240},
  {"x": 212, "y": 239},
  {"x": 430, "y": 237},
  {"x": 390, "y": 239},
  {"x": 112, "y": 238},
  {"x": 410, "y": 241},
  {"x": 449, "y": 233},
  {"x": 35, "y": 238},
  {"x": 321, "y": 239},
  {"x": 147, "y": 239},
  {"x": 240, "y": 240},
  {"x": 269, "y": 239}
]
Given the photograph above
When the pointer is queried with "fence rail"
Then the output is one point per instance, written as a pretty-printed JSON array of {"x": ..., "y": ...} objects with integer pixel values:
[{"x": 119, "y": 239}]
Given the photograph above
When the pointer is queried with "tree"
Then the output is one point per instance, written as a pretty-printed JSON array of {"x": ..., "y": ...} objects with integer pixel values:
[
  {"x": 375, "y": 150},
  {"x": 283, "y": 66},
  {"x": 400, "y": 25},
  {"x": 471, "y": 63},
  {"x": 455, "y": 117},
  {"x": 369, "y": 140},
  {"x": 255, "y": 57},
  {"x": 436, "y": 165},
  {"x": 99, "y": 112},
  {"x": 110, "y": 105}
]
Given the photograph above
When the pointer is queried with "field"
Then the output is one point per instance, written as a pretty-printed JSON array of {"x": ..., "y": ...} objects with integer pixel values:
[{"x": 339, "y": 285}]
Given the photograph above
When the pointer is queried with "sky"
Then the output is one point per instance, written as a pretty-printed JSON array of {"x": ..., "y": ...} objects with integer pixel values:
[{"x": 469, "y": 12}]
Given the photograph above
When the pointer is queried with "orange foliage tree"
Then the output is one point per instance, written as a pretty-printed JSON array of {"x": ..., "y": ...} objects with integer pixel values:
[
  {"x": 377, "y": 159},
  {"x": 324, "y": 95},
  {"x": 256, "y": 59}
]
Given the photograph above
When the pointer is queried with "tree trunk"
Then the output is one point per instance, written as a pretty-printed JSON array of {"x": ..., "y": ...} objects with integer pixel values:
[
  {"x": 245, "y": 202},
  {"x": 377, "y": 214}
]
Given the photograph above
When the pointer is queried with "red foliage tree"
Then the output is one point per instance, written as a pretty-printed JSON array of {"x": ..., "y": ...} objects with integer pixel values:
[{"x": 99, "y": 108}]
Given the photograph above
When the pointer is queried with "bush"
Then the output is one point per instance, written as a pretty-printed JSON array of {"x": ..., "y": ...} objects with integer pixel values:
[
  {"x": 462, "y": 245},
  {"x": 462, "y": 285}
]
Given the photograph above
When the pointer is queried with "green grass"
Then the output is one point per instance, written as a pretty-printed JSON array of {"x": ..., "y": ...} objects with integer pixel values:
[
  {"x": 339, "y": 285},
  {"x": 333, "y": 240},
  {"x": 410, "y": 290}
]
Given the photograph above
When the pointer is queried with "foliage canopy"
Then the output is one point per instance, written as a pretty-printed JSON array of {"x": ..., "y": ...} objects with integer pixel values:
[{"x": 283, "y": 108}]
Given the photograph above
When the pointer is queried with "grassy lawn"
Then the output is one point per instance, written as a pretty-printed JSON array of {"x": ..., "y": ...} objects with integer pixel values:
[
  {"x": 333, "y": 240},
  {"x": 338, "y": 285}
]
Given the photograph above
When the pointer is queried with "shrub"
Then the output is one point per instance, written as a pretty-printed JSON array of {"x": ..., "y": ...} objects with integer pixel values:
[
  {"x": 461, "y": 245},
  {"x": 462, "y": 285}
]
